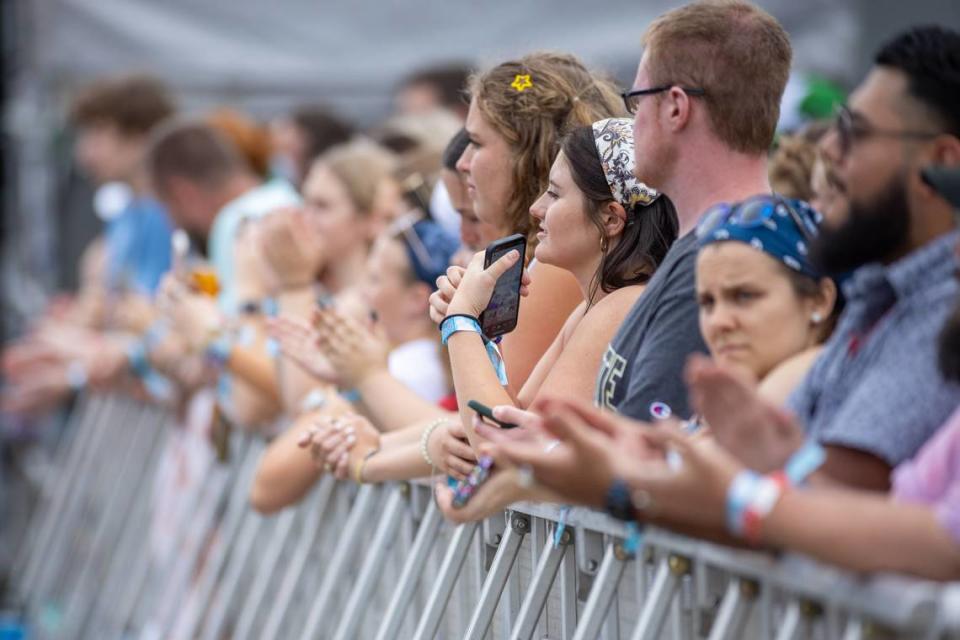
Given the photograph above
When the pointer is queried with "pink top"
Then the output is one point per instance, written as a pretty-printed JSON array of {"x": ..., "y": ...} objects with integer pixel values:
[{"x": 932, "y": 477}]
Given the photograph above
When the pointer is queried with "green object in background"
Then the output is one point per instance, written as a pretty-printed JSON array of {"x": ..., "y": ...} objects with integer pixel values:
[{"x": 822, "y": 99}]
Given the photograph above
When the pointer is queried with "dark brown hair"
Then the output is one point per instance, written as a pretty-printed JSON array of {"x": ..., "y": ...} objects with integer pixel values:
[
  {"x": 133, "y": 104},
  {"x": 192, "y": 150},
  {"x": 649, "y": 232}
]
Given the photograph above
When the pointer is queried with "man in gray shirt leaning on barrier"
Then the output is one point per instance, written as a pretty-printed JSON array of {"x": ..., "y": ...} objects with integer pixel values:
[{"x": 706, "y": 101}]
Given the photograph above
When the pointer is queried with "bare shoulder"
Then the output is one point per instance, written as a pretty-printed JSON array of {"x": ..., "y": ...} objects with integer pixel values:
[
  {"x": 785, "y": 377},
  {"x": 616, "y": 303},
  {"x": 605, "y": 317}
]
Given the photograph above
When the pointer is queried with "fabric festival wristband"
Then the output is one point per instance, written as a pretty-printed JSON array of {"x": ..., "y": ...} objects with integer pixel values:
[
  {"x": 805, "y": 461},
  {"x": 462, "y": 322},
  {"x": 750, "y": 499}
]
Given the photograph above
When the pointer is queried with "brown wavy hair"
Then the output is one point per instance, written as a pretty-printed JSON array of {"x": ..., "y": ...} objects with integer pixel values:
[{"x": 563, "y": 95}]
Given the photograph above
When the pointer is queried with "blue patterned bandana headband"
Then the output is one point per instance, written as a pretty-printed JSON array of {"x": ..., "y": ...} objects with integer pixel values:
[
  {"x": 780, "y": 227},
  {"x": 614, "y": 140}
]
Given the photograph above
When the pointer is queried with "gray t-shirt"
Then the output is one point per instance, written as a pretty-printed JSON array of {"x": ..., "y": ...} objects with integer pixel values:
[{"x": 642, "y": 369}]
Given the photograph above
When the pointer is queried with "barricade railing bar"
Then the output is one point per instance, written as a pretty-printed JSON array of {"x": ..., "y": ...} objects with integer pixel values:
[{"x": 379, "y": 562}]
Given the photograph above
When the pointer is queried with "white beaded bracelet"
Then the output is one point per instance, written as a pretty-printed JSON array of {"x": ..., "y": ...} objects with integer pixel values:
[{"x": 425, "y": 438}]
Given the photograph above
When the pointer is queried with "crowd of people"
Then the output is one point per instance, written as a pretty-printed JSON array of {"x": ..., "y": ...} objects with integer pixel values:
[{"x": 739, "y": 335}]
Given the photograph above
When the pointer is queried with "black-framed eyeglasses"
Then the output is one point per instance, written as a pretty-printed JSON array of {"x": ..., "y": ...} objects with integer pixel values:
[
  {"x": 631, "y": 99},
  {"x": 852, "y": 127}
]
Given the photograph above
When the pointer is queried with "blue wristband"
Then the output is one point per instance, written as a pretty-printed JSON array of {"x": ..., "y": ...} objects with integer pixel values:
[
  {"x": 805, "y": 461},
  {"x": 460, "y": 322},
  {"x": 741, "y": 491}
]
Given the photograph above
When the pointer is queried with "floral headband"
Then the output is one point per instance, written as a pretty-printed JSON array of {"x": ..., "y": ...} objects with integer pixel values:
[{"x": 614, "y": 140}]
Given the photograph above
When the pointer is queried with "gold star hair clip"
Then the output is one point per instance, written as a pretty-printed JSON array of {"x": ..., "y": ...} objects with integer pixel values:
[{"x": 521, "y": 83}]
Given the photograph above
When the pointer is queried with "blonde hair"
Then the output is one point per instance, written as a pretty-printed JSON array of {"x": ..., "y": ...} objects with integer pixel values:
[
  {"x": 361, "y": 165},
  {"x": 737, "y": 53},
  {"x": 562, "y": 95}
]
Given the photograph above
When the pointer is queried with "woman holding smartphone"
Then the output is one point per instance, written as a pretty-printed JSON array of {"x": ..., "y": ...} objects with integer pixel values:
[
  {"x": 515, "y": 135},
  {"x": 595, "y": 220}
]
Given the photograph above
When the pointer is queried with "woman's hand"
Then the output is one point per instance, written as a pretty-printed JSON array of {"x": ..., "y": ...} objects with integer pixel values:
[
  {"x": 446, "y": 289},
  {"x": 330, "y": 441},
  {"x": 353, "y": 351},
  {"x": 193, "y": 316},
  {"x": 500, "y": 490},
  {"x": 468, "y": 291},
  {"x": 594, "y": 449},
  {"x": 291, "y": 250},
  {"x": 298, "y": 342},
  {"x": 450, "y": 450}
]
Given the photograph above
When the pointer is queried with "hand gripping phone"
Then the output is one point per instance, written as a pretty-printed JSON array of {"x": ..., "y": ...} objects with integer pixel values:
[
  {"x": 500, "y": 316},
  {"x": 486, "y": 412}
]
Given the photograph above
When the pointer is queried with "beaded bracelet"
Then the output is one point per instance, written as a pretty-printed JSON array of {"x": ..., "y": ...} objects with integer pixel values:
[{"x": 425, "y": 439}]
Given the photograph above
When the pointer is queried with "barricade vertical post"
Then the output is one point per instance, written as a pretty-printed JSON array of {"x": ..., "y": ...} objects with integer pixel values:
[
  {"x": 492, "y": 588},
  {"x": 412, "y": 570},
  {"x": 90, "y": 481},
  {"x": 603, "y": 592},
  {"x": 539, "y": 589},
  {"x": 264, "y": 578},
  {"x": 233, "y": 579},
  {"x": 657, "y": 605},
  {"x": 81, "y": 433},
  {"x": 446, "y": 579},
  {"x": 568, "y": 594},
  {"x": 316, "y": 507},
  {"x": 734, "y": 610},
  {"x": 133, "y": 472},
  {"x": 341, "y": 559},
  {"x": 373, "y": 561},
  {"x": 229, "y": 528}
]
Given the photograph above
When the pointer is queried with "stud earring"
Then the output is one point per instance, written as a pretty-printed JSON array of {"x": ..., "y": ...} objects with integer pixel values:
[{"x": 816, "y": 318}]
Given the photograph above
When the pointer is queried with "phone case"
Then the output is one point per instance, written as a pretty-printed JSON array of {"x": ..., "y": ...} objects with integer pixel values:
[
  {"x": 500, "y": 316},
  {"x": 466, "y": 488}
]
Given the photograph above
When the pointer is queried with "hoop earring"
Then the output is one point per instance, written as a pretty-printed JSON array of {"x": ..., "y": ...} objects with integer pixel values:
[{"x": 603, "y": 245}]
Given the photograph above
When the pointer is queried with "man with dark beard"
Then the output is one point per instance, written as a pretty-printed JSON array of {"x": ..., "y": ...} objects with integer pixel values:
[{"x": 875, "y": 395}]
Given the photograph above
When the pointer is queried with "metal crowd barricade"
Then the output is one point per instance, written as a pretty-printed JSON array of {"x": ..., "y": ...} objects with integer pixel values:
[{"x": 380, "y": 562}]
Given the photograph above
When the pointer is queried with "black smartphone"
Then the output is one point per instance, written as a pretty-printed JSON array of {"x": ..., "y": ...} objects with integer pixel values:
[
  {"x": 500, "y": 316},
  {"x": 946, "y": 181},
  {"x": 486, "y": 412}
]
